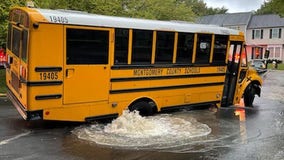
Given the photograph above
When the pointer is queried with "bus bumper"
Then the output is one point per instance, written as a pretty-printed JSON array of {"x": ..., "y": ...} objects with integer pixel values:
[{"x": 27, "y": 115}]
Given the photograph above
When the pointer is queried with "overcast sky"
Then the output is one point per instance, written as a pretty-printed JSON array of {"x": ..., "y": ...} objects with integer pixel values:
[{"x": 234, "y": 6}]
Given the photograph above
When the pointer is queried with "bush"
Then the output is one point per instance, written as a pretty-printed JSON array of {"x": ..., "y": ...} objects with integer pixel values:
[
  {"x": 276, "y": 60},
  {"x": 3, "y": 88}
]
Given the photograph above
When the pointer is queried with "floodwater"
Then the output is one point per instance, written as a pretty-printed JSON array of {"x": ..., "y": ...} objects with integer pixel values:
[
  {"x": 156, "y": 132},
  {"x": 178, "y": 132},
  {"x": 192, "y": 131}
]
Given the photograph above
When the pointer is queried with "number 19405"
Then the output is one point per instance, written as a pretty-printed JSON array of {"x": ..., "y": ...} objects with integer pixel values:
[
  {"x": 58, "y": 19},
  {"x": 48, "y": 75}
]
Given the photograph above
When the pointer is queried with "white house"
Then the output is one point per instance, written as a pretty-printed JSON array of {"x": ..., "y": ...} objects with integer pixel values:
[{"x": 265, "y": 32}]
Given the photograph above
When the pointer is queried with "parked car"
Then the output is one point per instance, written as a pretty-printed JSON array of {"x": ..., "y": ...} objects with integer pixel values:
[
  {"x": 2, "y": 58},
  {"x": 260, "y": 65}
]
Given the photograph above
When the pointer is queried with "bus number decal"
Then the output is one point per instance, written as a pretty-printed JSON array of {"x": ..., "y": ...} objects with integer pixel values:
[
  {"x": 58, "y": 19},
  {"x": 48, "y": 75}
]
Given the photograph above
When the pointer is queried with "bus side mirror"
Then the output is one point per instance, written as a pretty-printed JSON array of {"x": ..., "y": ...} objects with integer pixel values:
[{"x": 266, "y": 54}]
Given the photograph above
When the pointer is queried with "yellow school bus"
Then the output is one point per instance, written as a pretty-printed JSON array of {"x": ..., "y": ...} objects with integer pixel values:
[{"x": 75, "y": 66}]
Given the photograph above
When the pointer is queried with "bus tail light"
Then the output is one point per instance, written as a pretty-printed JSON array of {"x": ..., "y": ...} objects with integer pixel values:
[{"x": 23, "y": 72}]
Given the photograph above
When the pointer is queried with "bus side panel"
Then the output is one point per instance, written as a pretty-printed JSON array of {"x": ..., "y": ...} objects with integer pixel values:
[
  {"x": 45, "y": 67},
  {"x": 190, "y": 86},
  {"x": 170, "y": 98}
]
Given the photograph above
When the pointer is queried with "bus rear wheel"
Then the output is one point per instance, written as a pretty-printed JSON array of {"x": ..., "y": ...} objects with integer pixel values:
[
  {"x": 249, "y": 95},
  {"x": 144, "y": 108}
]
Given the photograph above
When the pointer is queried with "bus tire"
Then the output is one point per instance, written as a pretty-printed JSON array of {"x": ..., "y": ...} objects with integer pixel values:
[
  {"x": 144, "y": 108},
  {"x": 249, "y": 95}
]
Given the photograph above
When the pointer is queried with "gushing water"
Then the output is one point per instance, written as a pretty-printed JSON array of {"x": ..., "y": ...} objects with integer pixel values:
[{"x": 130, "y": 130}]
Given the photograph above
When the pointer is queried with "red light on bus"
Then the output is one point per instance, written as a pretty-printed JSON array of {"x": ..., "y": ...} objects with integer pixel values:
[
  {"x": 23, "y": 72},
  {"x": 47, "y": 113},
  {"x": 2, "y": 56}
]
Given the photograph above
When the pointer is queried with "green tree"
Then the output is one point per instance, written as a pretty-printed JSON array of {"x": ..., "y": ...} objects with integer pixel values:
[
  {"x": 159, "y": 9},
  {"x": 199, "y": 7},
  {"x": 211, "y": 11},
  {"x": 184, "y": 10},
  {"x": 5, "y": 6},
  {"x": 272, "y": 7}
]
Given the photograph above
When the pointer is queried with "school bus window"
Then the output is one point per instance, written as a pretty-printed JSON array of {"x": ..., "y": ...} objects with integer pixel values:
[
  {"x": 164, "y": 47},
  {"x": 16, "y": 41},
  {"x": 231, "y": 53},
  {"x": 9, "y": 37},
  {"x": 142, "y": 46},
  {"x": 243, "y": 59},
  {"x": 16, "y": 16},
  {"x": 121, "y": 46},
  {"x": 24, "y": 45},
  {"x": 238, "y": 53},
  {"x": 185, "y": 48},
  {"x": 87, "y": 46},
  {"x": 203, "y": 48},
  {"x": 220, "y": 49},
  {"x": 24, "y": 19}
]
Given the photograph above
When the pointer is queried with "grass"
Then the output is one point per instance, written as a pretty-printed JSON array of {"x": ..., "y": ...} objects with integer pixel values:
[
  {"x": 280, "y": 66},
  {"x": 3, "y": 88}
]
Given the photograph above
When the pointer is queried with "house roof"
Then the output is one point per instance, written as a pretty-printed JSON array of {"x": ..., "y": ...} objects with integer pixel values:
[
  {"x": 228, "y": 19},
  {"x": 264, "y": 21}
]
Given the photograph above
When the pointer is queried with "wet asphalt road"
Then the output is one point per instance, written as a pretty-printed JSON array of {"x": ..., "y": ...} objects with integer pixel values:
[{"x": 237, "y": 133}]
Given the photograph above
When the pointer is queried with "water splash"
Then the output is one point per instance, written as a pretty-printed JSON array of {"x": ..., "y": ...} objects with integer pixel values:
[{"x": 133, "y": 131}]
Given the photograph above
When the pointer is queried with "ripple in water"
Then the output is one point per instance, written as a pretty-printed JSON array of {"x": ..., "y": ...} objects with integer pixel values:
[{"x": 130, "y": 130}]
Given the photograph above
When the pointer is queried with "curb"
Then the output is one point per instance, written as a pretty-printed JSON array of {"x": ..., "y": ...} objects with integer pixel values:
[{"x": 2, "y": 95}]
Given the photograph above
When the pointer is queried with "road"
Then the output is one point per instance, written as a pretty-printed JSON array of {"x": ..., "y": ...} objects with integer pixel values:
[{"x": 229, "y": 133}]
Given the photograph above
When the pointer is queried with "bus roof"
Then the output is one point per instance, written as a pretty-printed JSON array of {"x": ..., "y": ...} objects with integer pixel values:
[{"x": 83, "y": 18}]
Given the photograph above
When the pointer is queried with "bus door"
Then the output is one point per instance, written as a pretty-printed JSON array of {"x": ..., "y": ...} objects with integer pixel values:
[
  {"x": 86, "y": 65},
  {"x": 18, "y": 45},
  {"x": 232, "y": 73}
]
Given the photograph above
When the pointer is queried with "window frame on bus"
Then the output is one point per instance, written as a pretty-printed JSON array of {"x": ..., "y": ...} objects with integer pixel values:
[
  {"x": 184, "y": 47},
  {"x": 87, "y": 60},
  {"x": 203, "y": 49},
  {"x": 136, "y": 57},
  {"x": 192, "y": 58},
  {"x": 121, "y": 48},
  {"x": 164, "y": 47},
  {"x": 16, "y": 41}
]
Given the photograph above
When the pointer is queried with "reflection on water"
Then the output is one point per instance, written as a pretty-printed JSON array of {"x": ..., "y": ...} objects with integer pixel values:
[
  {"x": 133, "y": 131},
  {"x": 241, "y": 113}
]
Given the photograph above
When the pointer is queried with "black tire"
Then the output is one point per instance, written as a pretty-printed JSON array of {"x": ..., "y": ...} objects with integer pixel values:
[
  {"x": 144, "y": 108},
  {"x": 249, "y": 95}
]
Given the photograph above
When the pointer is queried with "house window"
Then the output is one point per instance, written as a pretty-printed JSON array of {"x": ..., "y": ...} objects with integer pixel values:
[
  {"x": 275, "y": 33},
  {"x": 271, "y": 50},
  {"x": 257, "y": 53},
  {"x": 257, "y": 34},
  {"x": 277, "y": 52}
]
